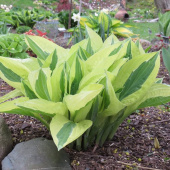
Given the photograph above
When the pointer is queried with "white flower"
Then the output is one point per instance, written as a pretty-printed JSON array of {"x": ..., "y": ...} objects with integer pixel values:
[
  {"x": 76, "y": 17},
  {"x": 2, "y": 6},
  {"x": 106, "y": 11},
  {"x": 96, "y": 14},
  {"x": 5, "y": 6},
  {"x": 10, "y": 6},
  {"x": 7, "y": 10}
]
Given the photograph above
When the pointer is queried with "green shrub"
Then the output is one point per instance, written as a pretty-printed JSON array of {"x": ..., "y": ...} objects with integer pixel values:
[
  {"x": 64, "y": 18},
  {"x": 164, "y": 24},
  {"x": 29, "y": 17},
  {"x": 25, "y": 17},
  {"x": 3, "y": 28},
  {"x": 103, "y": 24},
  {"x": 22, "y": 29},
  {"x": 166, "y": 58},
  {"x": 13, "y": 45},
  {"x": 82, "y": 95},
  {"x": 10, "y": 17}
]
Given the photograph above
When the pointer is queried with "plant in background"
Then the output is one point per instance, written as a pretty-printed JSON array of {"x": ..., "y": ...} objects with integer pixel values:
[
  {"x": 103, "y": 24},
  {"x": 164, "y": 27},
  {"x": 3, "y": 28},
  {"x": 29, "y": 17},
  {"x": 49, "y": 14},
  {"x": 13, "y": 45},
  {"x": 64, "y": 17},
  {"x": 10, "y": 18},
  {"x": 25, "y": 17},
  {"x": 16, "y": 17},
  {"x": 166, "y": 58},
  {"x": 112, "y": 13},
  {"x": 22, "y": 29},
  {"x": 82, "y": 94},
  {"x": 46, "y": 2}
]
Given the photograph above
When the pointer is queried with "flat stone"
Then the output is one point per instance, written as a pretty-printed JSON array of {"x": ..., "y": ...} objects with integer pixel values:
[
  {"x": 6, "y": 142},
  {"x": 36, "y": 154}
]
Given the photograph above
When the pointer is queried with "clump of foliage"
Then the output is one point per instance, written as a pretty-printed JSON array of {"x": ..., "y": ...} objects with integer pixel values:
[
  {"x": 164, "y": 27},
  {"x": 29, "y": 17},
  {"x": 3, "y": 28},
  {"x": 46, "y": 2},
  {"x": 10, "y": 17},
  {"x": 103, "y": 25},
  {"x": 22, "y": 29},
  {"x": 64, "y": 18},
  {"x": 166, "y": 58},
  {"x": 82, "y": 94},
  {"x": 112, "y": 13},
  {"x": 13, "y": 45},
  {"x": 25, "y": 17},
  {"x": 49, "y": 15}
]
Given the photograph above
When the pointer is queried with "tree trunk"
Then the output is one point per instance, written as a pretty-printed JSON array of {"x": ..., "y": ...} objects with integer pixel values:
[
  {"x": 162, "y": 5},
  {"x": 69, "y": 21}
]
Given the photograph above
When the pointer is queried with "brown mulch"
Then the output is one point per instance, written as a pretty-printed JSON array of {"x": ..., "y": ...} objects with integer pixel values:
[
  {"x": 133, "y": 144},
  {"x": 132, "y": 147}
]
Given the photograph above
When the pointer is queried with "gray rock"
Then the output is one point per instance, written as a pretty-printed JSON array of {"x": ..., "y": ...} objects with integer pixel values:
[
  {"x": 36, "y": 154},
  {"x": 6, "y": 143}
]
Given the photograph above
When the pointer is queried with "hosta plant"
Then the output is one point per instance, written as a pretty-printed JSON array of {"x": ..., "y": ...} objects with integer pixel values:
[
  {"x": 29, "y": 17},
  {"x": 10, "y": 17},
  {"x": 82, "y": 94},
  {"x": 104, "y": 25}
]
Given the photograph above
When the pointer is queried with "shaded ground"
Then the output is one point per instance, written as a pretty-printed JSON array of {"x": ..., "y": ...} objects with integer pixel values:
[
  {"x": 131, "y": 148},
  {"x": 133, "y": 144}
]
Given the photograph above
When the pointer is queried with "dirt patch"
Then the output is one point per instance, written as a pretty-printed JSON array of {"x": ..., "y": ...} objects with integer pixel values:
[{"x": 132, "y": 146}]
